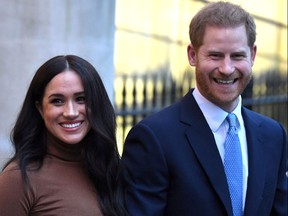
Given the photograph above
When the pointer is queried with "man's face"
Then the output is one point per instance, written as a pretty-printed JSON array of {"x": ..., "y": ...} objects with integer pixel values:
[{"x": 223, "y": 65}]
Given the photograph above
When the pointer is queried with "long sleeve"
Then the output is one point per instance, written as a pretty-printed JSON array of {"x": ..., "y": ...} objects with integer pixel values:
[
  {"x": 145, "y": 173},
  {"x": 280, "y": 202}
]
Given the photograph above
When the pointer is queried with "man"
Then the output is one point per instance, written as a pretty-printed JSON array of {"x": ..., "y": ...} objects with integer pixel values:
[{"x": 175, "y": 161}]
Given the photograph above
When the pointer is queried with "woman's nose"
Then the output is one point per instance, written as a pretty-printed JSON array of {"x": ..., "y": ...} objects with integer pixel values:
[{"x": 71, "y": 110}]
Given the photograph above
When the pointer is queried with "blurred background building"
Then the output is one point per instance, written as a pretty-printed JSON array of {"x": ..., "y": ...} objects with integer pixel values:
[
  {"x": 139, "y": 49},
  {"x": 152, "y": 69}
]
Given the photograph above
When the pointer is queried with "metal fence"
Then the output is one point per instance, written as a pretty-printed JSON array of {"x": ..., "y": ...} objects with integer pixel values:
[{"x": 137, "y": 96}]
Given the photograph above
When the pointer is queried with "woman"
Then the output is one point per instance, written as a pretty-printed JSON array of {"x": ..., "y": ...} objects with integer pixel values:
[{"x": 66, "y": 160}]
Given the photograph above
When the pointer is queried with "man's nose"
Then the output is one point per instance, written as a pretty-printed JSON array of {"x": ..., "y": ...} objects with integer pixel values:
[{"x": 226, "y": 66}]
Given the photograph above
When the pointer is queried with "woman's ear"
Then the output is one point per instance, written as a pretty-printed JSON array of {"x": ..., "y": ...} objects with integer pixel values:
[
  {"x": 192, "y": 57},
  {"x": 39, "y": 107}
]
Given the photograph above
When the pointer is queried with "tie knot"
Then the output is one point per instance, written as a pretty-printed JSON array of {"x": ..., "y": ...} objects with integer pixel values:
[{"x": 232, "y": 119}]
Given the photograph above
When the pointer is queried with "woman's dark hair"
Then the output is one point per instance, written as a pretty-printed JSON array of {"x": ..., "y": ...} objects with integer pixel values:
[{"x": 101, "y": 157}]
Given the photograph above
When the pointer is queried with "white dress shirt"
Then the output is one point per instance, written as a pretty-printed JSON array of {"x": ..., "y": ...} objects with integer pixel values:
[{"x": 216, "y": 119}]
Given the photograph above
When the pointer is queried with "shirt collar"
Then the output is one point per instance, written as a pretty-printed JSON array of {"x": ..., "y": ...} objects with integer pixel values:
[{"x": 213, "y": 114}]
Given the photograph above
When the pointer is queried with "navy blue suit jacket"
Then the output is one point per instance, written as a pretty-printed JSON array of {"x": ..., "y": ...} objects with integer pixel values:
[{"x": 172, "y": 166}]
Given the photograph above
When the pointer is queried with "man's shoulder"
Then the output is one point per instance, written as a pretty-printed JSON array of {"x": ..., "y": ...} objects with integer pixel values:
[
  {"x": 167, "y": 113},
  {"x": 260, "y": 119}
]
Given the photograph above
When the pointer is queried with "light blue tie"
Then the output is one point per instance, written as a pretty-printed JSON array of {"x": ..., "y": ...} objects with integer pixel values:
[{"x": 233, "y": 165}]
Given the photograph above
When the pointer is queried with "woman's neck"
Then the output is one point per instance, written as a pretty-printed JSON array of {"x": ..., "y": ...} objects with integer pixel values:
[{"x": 64, "y": 151}]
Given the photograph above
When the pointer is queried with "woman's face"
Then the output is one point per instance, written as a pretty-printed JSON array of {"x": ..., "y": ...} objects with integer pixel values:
[{"x": 63, "y": 108}]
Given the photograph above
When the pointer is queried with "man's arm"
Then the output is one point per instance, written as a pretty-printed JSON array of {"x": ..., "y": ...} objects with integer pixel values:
[{"x": 145, "y": 173}]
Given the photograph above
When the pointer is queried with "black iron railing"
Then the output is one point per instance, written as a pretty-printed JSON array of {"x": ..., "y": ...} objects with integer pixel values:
[{"x": 139, "y": 96}]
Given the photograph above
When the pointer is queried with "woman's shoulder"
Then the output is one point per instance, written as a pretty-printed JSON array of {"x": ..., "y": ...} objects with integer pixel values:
[
  {"x": 11, "y": 175},
  {"x": 11, "y": 169}
]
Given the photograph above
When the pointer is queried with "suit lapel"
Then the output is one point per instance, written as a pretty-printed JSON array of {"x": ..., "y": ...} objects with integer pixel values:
[
  {"x": 203, "y": 143},
  {"x": 256, "y": 176}
]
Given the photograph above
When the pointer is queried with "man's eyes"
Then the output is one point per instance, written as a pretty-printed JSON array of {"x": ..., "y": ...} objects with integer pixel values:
[
  {"x": 238, "y": 56},
  {"x": 215, "y": 55},
  {"x": 234, "y": 56}
]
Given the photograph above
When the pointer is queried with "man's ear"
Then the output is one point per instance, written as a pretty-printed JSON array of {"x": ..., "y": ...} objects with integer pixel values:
[
  {"x": 39, "y": 107},
  {"x": 192, "y": 57},
  {"x": 253, "y": 54}
]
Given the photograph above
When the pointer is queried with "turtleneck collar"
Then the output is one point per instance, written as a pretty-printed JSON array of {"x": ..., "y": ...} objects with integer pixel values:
[{"x": 63, "y": 151}]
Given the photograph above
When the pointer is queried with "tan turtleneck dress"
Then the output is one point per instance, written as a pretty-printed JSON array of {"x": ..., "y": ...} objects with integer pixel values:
[{"x": 60, "y": 188}]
